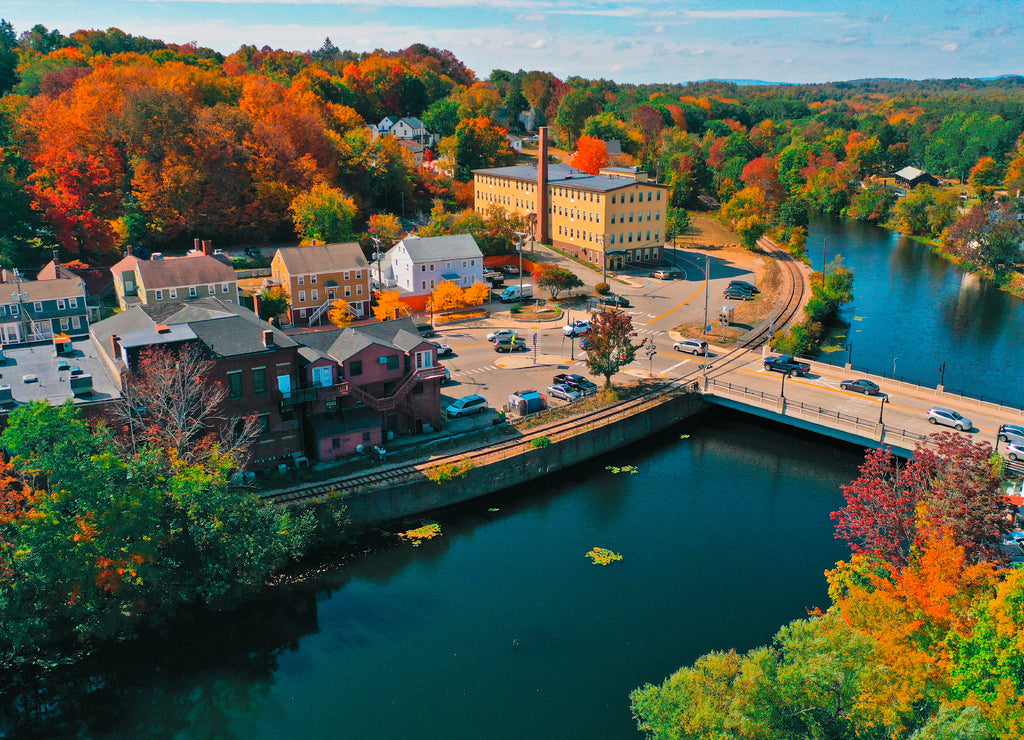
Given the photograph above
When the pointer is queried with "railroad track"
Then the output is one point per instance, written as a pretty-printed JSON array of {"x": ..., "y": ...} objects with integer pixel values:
[{"x": 489, "y": 452}]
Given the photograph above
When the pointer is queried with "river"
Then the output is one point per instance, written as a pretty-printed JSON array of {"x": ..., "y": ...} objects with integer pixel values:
[
  {"x": 914, "y": 311},
  {"x": 501, "y": 628}
]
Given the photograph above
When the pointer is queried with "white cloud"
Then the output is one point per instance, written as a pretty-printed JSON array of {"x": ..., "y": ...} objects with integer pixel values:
[{"x": 950, "y": 47}]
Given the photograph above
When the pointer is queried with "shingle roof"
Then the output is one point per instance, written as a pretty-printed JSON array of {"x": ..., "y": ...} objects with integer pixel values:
[
  {"x": 42, "y": 290},
  {"x": 177, "y": 272},
  {"x": 910, "y": 173},
  {"x": 341, "y": 344},
  {"x": 320, "y": 258},
  {"x": 561, "y": 174},
  {"x": 435, "y": 248}
]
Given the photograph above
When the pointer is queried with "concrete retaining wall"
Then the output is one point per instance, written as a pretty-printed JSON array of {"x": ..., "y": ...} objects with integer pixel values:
[{"x": 520, "y": 466}]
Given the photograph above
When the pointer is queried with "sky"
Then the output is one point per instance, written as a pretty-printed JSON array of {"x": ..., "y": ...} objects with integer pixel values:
[{"x": 640, "y": 41}]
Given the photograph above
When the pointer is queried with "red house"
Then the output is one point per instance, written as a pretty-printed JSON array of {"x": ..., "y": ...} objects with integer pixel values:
[{"x": 362, "y": 385}]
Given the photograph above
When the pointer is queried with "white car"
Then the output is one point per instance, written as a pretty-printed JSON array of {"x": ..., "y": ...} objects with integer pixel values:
[
  {"x": 576, "y": 329},
  {"x": 465, "y": 406},
  {"x": 564, "y": 392},
  {"x": 949, "y": 418}
]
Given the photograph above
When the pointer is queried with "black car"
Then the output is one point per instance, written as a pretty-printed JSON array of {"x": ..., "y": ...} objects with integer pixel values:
[
  {"x": 577, "y": 382},
  {"x": 861, "y": 385},
  {"x": 738, "y": 293},
  {"x": 614, "y": 300},
  {"x": 254, "y": 253},
  {"x": 744, "y": 285}
]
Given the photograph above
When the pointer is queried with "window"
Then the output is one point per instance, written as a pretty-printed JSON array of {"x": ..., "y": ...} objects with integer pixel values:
[
  {"x": 212, "y": 289},
  {"x": 192, "y": 292},
  {"x": 174, "y": 292},
  {"x": 159, "y": 295},
  {"x": 73, "y": 302},
  {"x": 423, "y": 283},
  {"x": 235, "y": 383},
  {"x": 302, "y": 280},
  {"x": 359, "y": 274},
  {"x": 302, "y": 296},
  {"x": 366, "y": 436},
  {"x": 654, "y": 252},
  {"x": 613, "y": 198},
  {"x": 659, "y": 195},
  {"x": 3, "y": 309},
  {"x": 423, "y": 268},
  {"x": 314, "y": 295},
  {"x": 355, "y": 368},
  {"x": 392, "y": 362},
  {"x": 336, "y": 443},
  {"x": 613, "y": 218},
  {"x": 312, "y": 279},
  {"x": 424, "y": 359},
  {"x": 76, "y": 323},
  {"x": 348, "y": 291},
  {"x": 264, "y": 422},
  {"x": 37, "y": 306},
  {"x": 322, "y": 376},
  {"x": 14, "y": 309},
  {"x": 359, "y": 288},
  {"x": 61, "y": 304},
  {"x": 345, "y": 274},
  {"x": 259, "y": 380},
  {"x": 631, "y": 217},
  {"x": 64, "y": 324},
  {"x": 223, "y": 287}
]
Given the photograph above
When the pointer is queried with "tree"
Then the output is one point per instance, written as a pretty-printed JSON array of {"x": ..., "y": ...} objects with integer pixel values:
[
  {"x": 386, "y": 227},
  {"x": 590, "y": 156},
  {"x": 442, "y": 117},
  {"x": 677, "y": 221},
  {"x": 952, "y": 477},
  {"x": 323, "y": 214},
  {"x": 8, "y": 57},
  {"x": 273, "y": 301},
  {"x": 990, "y": 235},
  {"x": 170, "y": 400},
  {"x": 610, "y": 347},
  {"x": 576, "y": 107},
  {"x": 340, "y": 313},
  {"x": 477, "y": 143},
  {"x": 872, "y": 203},
  {"x": 390, "y": 306},
  {"x": 447, "y": 296},
  {"x": 477, "y": 294},
  {"x": 556, "y": 279}
]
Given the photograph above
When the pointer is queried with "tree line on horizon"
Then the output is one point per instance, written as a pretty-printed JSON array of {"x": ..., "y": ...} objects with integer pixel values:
[{"x": 109, "y": 140}]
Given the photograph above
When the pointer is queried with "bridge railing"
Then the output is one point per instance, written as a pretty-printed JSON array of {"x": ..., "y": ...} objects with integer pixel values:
[{"x": 870, "y": 428}]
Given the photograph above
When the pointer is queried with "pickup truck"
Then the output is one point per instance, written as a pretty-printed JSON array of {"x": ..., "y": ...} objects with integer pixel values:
[{"x": 786, "y": 364}]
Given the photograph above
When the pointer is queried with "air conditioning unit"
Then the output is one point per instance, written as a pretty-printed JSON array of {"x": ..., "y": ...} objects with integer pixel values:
[{"x": 382, "y": 360}]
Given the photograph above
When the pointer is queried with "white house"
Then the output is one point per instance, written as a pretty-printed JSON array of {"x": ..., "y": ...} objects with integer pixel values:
[
  {"x": 418, "y": 265},
  {"x": 405, "y": 129}
]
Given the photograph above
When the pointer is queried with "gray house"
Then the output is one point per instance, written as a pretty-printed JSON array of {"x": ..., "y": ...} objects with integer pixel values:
[{"x": 39, "y": 310}]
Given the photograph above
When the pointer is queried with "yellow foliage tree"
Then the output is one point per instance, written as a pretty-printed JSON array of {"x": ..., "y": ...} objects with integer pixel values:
[
  {"x": 340, "y": 313},
  {"x": 447, "y": 296},
  {"x": 476, "y": 294},
  {"x": 390, "y": 306}
]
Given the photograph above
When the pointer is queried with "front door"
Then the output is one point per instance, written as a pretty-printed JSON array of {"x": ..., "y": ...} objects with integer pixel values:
[{"x": 284, "y": 385}]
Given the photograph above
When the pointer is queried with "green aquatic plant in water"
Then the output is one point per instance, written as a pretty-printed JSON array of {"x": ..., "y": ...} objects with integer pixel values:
[{"x": 624, "y": 469}]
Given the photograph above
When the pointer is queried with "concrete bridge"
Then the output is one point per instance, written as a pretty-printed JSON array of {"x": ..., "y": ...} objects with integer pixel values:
[{"x": 897, "y": 418}]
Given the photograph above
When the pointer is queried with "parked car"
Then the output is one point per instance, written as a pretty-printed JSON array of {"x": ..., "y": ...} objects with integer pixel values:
[
  {"x": 577, "y": 329},
  {"x": 465, "y": 406},
  {"x": 693, "y": 346},
  {"x": 253, "y": 253},
  {"x": 665, "y": 274},
  {"x": 861, "y": 385},
  {"x": 510, "y": 270},
  {"x": 426, "y": 330},
  {"x": 494, "y": 335},
  {"x": 494, "y": 278},
  {"x": 510, "y": 344},
  {"x": 743, "y": 285},
  {"x": 949, "y": 418},
  {"x": 584, "y": 343},
  {"x": 738, "y": 294},
  {"x": 614, "y": 300},
  {"x": 1011, "y": 433},
  {"x": 577, "y": 382},
  {"x": 1015, "y": 451},
  {"x": 565, "y": 392},
  {"x": 443, "y": 350},
  {"x": 786, "y": 364}
]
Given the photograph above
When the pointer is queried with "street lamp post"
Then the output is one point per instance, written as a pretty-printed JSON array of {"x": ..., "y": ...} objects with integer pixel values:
[
  {"x": 849, "y": 355},
  {"x": 894, "y": 361},
  {"x": 942, "y": 374},
  {"x": 707, "y": 277},
  {"x": 782, "y": 392},
  {"x": 881, "y": 408},
  {"x": 521, "y": 235}
]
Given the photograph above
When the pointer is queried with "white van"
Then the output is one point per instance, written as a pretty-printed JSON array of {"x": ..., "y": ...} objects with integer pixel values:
[{"x": 514, "y": 293}]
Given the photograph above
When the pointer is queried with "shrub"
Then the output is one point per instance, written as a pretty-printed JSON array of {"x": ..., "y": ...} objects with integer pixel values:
[
  {"x": 442, "y": 473},
  {"x": 540, "y": 442},
  {"x": 603, "y": 288}
]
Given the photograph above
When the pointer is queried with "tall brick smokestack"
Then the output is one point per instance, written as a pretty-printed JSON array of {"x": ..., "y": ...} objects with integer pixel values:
[{"x": 541, "y": 228}]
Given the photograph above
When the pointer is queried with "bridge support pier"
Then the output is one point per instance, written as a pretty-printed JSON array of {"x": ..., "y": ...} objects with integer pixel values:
[
  {"x": 880, "y": 431},
  {"x": 780, "y": 405}
]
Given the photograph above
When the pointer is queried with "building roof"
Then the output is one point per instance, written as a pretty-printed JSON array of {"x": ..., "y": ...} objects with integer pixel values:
[
  {"x": 177, "y": 272},
  {"x": 51, "y": 384},
  {"x": 910, "y": 173},
  {"x": 98, "y": 280},
  {"x": 562, "y": 174},
  {"x": 321, "y": 258},
  {"x": 225, "y": 329},
  {"x": 40, "y": 290},
  {"x": 341, "y": 344},
  {"x": 440, "y": 248}
]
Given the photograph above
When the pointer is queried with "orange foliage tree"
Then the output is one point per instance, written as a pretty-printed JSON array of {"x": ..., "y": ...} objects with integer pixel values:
[
  {"x": 590, "y": 156},
  {"x": 390, "y": 306}
]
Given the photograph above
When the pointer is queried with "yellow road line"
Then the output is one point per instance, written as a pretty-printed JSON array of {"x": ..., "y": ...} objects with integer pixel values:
[{"x": 659, "y": 318}]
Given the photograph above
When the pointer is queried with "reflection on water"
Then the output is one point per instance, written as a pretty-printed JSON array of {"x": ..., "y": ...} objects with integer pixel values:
[
  {"x": 919, "y": 309},
  {"x": 501, "y": 627}
]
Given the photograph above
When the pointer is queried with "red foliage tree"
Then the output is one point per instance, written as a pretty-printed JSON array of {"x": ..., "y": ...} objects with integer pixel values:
[
  {"x": 951, "y": 476},
  {"x": 763, "y": 173}
]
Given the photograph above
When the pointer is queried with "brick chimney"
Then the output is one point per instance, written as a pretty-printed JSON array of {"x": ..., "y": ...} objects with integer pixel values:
[
  {"x": 115, "y": 345},
  {"x": 208, "y": 247},
  {"x": 542, "y": 185},
  {"x": 197, "y": 245},
  {"x": 256, "y": 303},
  {"x": 268, "y": 338}
]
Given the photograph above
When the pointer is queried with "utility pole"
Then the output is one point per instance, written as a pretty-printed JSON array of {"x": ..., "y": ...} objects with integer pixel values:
[
  {"x": 824, "y": 261},
  {"x": 707, "y": 274}
]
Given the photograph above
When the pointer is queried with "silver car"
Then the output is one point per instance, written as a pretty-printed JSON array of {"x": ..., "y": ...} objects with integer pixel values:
[
  {"x": 1011, "y": 433},
  {"x": 1015, "y": 451},
  {"x": 564, "y": 392},
  {"x": 693, "y": 346},
  {"x": 949, "y": 418}
]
